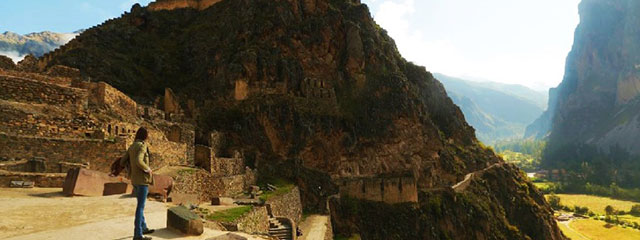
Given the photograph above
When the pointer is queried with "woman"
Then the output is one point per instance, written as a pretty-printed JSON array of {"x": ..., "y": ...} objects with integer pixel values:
[{"x": 137, "y": 156}]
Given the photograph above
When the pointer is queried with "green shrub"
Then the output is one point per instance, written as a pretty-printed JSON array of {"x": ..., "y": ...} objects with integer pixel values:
[{"x": 554, "y": 201}]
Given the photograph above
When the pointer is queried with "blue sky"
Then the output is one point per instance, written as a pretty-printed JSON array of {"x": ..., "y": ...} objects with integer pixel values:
[
  {"x": 26, "y": 16},
  {"x": 510, "y": 41}
]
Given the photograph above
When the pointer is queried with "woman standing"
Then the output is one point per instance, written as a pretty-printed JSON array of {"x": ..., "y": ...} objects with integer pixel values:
[{"x": 141, "y": 176}]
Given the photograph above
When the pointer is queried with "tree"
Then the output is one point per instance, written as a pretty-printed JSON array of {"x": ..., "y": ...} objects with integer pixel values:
[
  {"x": 554, "y": 201},
  {"x": 635, "y": 210},
  {"x": 609, "y": 210}
]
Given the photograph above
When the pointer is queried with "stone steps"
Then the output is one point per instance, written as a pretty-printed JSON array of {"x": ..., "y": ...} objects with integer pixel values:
[{"x": 280, "y": 230}]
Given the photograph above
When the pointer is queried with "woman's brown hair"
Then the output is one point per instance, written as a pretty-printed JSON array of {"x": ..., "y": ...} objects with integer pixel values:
[{"x": 142, "y": 134}]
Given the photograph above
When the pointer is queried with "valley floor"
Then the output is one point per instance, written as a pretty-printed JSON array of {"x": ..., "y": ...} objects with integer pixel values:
[
  {"x": 592, "y": 229},
  {"x": 44, "y": 213}
]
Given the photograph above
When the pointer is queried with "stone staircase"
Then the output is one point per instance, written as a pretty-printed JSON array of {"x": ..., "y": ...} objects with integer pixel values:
[{"x": 280, "y": 230}]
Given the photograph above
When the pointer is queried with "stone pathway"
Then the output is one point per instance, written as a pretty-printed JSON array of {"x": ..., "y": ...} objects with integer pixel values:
[
  {"x": 40, "y": 214},
  {"x": 315, "y": 228}
]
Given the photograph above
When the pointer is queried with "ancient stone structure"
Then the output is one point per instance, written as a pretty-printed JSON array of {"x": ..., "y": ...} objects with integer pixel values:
[
  {"x": 287, "y": 205},
  {"x": 174, "y": 4},
  {"x": 66, "y": 123},
  {"x": 382, "y": 189}
]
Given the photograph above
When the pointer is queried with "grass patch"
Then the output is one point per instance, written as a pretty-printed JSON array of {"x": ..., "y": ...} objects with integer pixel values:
[
  {"x": 283, "y": 187},
  {"x": 229, "y": 215},
  {"x": 594, "y": 229}
]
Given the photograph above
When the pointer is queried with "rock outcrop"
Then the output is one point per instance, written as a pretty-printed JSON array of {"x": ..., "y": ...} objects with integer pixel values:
[
  {"x": 596, "y": 113},
  {"x": 316, "y": 92}
]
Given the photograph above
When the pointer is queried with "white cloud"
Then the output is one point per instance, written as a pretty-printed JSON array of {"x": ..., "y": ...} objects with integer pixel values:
[
  {"x": 463, "y": 50},
  {"x": 15, "y": 56}
]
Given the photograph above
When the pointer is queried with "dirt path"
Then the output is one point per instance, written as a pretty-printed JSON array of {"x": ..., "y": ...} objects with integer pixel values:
[
  {"x": 315, "y": 228},
  {"x": 462, "y": 185},
  {"x": 37, "y": 214}
]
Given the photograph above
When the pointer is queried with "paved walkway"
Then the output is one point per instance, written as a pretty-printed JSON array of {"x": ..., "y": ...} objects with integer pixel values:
[
  {"x": 41, "y": 214},
  {"x": 315, "y": 228}
]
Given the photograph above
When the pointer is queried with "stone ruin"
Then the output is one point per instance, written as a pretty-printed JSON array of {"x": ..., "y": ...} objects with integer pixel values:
[{"x": 54, "y": 122}]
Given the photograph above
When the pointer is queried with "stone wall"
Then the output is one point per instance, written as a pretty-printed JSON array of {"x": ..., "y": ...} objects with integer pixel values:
[
  {"x": 48, "y": 180},
  {"x": 228, "y": 166},
  {"x": 166, "y": 153},
  {"x": 150, "y": 113},
  {"x": 15, "y": 166},
  {"x": 30, "y": 91},
  {"x": 44, "y": 121},
  {"x": 99, "y": 154},
  {"x": 58, "y": 80},
  {"x": 175, "y": 4},
  {"x": 383, "y": 189},
  {"x": 180, "y": 133},
  {"x": 287, "y": 205},
  {"x": 105, "y": 96},
  {"x": 255, "y": 221}
]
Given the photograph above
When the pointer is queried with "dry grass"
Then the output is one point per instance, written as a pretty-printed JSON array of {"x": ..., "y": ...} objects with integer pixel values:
[
  {"x": 599, "y": 230},
  {"x": 571, "y": 233}
]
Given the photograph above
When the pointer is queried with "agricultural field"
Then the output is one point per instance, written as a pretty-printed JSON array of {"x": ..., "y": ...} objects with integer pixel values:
[
  {"x": 594, "y": 203},
  {"x": 591, "y": 229},
  {"x": 597, "y": 230}
]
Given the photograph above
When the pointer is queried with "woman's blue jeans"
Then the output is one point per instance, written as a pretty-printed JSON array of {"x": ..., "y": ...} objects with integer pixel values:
[{"x": 141, "y": 192}]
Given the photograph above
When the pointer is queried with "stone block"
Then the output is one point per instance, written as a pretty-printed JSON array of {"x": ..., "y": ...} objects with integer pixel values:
[
  {"x": 221, "y": 201},
  {"x": 182, "y": 220},
  {"x": 84, "y": 182},
  {"x": 117, "y": 188},
  {"x": 162, "y": 186},
  {"x": 16, "y": 184},
  {"x": 28, "y": 184}
]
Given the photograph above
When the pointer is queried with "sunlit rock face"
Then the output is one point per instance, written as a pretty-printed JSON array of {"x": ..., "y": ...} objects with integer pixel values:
[
  {"x": 597, "y": 102},
  {"x": 315, "y": 91}
]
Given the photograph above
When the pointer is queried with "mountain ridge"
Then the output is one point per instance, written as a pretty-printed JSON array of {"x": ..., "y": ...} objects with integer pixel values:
[
  {"x": 497, "y": 113},
  {"x": 315, "y": 91}
]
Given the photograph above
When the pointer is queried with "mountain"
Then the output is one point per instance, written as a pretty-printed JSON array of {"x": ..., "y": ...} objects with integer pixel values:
[
  {"x": 497, "y": 111},
  {"x": 16, "y": 46},
  {"x": 316, "y": 92},
  {"x": 596, "y": 121}
]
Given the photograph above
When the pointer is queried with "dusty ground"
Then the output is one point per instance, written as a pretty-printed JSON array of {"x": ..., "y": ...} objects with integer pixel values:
[
  {"x": 315, "y": 228},
  {"x": 44, "y": 213}
]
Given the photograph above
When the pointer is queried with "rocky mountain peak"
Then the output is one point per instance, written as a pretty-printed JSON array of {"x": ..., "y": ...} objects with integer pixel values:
[{"x": 316, "y": 92}]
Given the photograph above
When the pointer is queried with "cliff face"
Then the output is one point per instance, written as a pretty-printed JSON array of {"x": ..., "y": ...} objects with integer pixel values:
[
  {"x": 597, "y": 105},
  {"x": 311, "y": 90}
]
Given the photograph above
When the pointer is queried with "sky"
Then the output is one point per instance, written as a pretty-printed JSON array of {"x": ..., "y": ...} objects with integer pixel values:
[
  {"x": 509, "y": 41},
  {"x": 27, "y": 16}
]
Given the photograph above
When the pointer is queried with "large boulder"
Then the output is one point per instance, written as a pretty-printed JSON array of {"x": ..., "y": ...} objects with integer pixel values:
[
  {"x": 181, "y": 219},
  {"x": 84, "y": 182}
]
